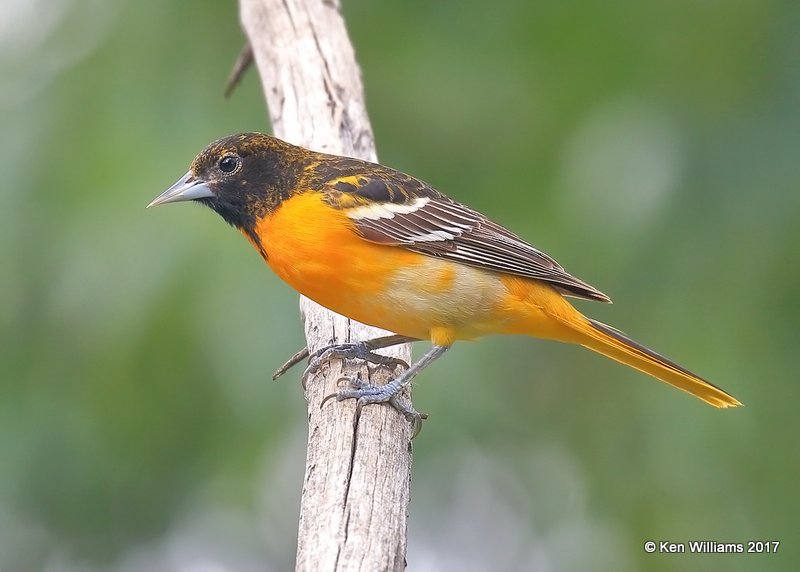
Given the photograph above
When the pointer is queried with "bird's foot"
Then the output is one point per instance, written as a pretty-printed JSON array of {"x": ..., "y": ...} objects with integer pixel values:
[
  {"x": 366, "y": 393},
  {"x": 364, "y": 350},
  {"x": 358, "y": 350},
  {"x": 363, "y": 392}
]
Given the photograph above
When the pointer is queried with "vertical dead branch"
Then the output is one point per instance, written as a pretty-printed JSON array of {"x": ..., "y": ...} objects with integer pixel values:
[{"x": 356, "y": 491}]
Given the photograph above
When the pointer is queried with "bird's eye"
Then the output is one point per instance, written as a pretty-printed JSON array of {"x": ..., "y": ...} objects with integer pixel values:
[{"x": 229, "y": 163}]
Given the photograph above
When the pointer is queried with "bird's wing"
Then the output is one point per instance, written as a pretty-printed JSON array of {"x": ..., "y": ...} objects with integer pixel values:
[{"x": 390, "y": 207}]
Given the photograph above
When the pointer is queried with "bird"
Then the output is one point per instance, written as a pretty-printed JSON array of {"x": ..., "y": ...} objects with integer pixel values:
[{"x": 388, "y": 250}]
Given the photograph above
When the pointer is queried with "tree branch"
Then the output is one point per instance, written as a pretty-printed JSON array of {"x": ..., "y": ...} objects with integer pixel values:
[{"x": 358, "y": 467}]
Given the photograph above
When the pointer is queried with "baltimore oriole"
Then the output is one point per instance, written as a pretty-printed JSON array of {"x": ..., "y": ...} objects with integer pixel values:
[{"x": 388, "y": 250}]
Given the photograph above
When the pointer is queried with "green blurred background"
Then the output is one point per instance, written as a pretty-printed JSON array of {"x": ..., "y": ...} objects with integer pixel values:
[{"x": 652, "y": 147}]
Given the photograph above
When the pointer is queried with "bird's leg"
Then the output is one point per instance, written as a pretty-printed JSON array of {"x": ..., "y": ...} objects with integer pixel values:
[
  {"x": 366, "y": 393},
  {"x": 359, "y": 350}
]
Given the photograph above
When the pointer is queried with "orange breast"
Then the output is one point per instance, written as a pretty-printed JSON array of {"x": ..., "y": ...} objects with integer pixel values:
[{"x": 314, "y": 248}]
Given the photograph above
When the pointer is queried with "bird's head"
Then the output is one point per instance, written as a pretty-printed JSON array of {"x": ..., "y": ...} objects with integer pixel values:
[{"x": 242, "y": 177}]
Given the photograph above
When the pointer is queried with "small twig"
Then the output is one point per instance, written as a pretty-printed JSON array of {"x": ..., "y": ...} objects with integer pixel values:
[
  {"x": 243, "y": 62},
  {"x": 290, "y": 363}
]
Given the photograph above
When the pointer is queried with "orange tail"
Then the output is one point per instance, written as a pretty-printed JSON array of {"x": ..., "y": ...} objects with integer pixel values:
[{"x": 615, "y": 345}]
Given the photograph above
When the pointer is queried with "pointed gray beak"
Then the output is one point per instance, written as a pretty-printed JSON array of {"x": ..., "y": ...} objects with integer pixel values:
[{"x": 187, "y": 188}]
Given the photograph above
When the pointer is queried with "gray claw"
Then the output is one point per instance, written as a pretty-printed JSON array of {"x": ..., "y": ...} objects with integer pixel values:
[
  {"x": 366, "y": 393},
  {"x": 350, "y": 351}
]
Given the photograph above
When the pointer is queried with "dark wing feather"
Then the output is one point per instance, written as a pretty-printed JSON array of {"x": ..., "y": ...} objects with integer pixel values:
[{"x": 389, "y": 207}]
